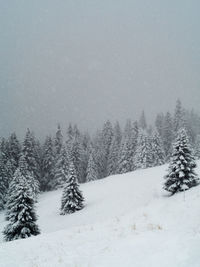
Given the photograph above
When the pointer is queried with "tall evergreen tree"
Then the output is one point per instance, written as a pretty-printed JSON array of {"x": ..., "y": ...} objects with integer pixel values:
[
  {"x": 168, "y": 135},
  {"x": 72, "y": 199},
  {"x": 99, "y": 154},
  {"x": 197, "y": 147},
  {"x": 132, "y": 145},
  {"x": 86, "y": 144},
  {"x": 159, "y": 123},
  {"x": 143, "y": 155},
  {"x": 20, "y": 209},
  {"x": 124, "y": 160},
  {"x": 4, "y": 150},
  {"x": 142, "y": 121},
  {"x": 158, "y": 155},
  {"x": 58, "y": 143},
  {"x": 3, "y": 183},
  {"x": 76, "y": 154},
  {"x": 48, "y": 164},
  {"x": 29, "y": 152},
  {"x": 92, "y": 169},
  {"x": 181, "y": 175},
  {"x": 14, "y": 150},
  {"x": 114, "y": 150},
  {"x": 31, "y": 181},
  {"x": 107, "y": 135},
  {"x": 179, "y": 118},
  {"x": 61, "y": 170}
]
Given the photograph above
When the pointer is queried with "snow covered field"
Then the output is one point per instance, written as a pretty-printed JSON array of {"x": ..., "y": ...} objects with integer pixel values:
[{"x": 128, "y": 221}]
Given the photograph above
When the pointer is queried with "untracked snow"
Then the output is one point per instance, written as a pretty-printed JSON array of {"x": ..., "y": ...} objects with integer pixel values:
[{"x": 128, "y": 221}]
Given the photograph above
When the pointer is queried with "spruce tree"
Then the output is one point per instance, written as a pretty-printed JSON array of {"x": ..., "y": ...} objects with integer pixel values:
[
  {"x": 168, "y": 135},
  {"x": 31, "y": 181},
  {"x": 158, "y": 155},
  {"x": 58, "y": 143},
  {"x": 4, "y": 149},
  {"x": 14, "y": 150},
  {"x": 76, "y": 154},
  {"x": 143, "y": 155},
  {"x": 20, "y": 209},
  {"x": 85, "y": 143},
  {"x": 124, "y": 160},
  {"x": 72, "y": 198},
  {"x": 114, "y": 150},
  {"x": 106, "y": 139},
  {"x": 3, "y": 183},
  {"x": 179, "y": 118},
  {"x": 48, "y": 165},
  {"x": 29, "y": 152},
  {"x": 60, "y": 170},
  {"x": 181, "y": 175},
  {"x": 132, "y": 145},
  {"x": 159, "y": 123},
  {"x": 99, "y": 154},
  {"x": 92, "y": 170},
  {"x": 197, "y": 147},
  {"x": 142, "y": 121}
]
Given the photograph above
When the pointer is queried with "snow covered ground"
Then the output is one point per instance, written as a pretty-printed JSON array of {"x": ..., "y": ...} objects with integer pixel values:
[{"x": 128, "y": 221}]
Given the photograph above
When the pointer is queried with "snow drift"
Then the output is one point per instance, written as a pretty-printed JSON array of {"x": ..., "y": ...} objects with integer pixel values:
[{"x": 128, "y": 220}]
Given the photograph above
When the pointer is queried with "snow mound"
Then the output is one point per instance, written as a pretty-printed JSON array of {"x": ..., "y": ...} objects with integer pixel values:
[{"x": 128, "y": 220}]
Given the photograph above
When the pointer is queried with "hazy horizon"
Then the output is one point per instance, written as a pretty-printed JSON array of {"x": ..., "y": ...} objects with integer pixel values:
[{"x": 88, "y": 61}]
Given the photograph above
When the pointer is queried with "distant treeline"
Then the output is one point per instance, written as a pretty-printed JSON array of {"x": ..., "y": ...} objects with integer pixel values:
[{"x": 111, "y": 150}]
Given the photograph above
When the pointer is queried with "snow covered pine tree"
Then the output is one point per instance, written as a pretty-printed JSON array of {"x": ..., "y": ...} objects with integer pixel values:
[
  {"x": 72, "y": 199},
  {"x": 181, "y": 175},
  {"x": 20, "y": 209}
]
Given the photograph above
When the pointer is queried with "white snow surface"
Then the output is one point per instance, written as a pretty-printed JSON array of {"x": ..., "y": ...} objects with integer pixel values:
[{"x": 128, "y": 221}]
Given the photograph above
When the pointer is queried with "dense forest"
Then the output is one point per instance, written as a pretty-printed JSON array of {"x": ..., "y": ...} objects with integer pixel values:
[{"x": 111, "y": 150}]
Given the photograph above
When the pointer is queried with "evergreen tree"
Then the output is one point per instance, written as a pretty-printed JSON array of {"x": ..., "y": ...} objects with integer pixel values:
[
  {"x": 14, "y": 150},
  {"x": 4, "y": 150},
  {"x": 142, "y": 121},
  {"x": 58, "y": 143},
  {"x": 72, "y": 199},
  {"x": 114, "y": 150},
  {"x": 3, "y": 183},
  {"x": 99, "y": 154},
  {"x": 31, "y": 181},
  {"x": 48, "y": 164},
  {"x": 124, "y": 160},
  {"x": 192, "y": 126},
  {"x": 132, "y": 145},
  {"x": 86, "y": 144},
  {"x": 158, "y": 156},
  {"x": 179, "y": 118},
  {"x": 20, "y": 209},
  {"x": 37, "y": 153},
  {"x": 76, "y": 153},
  {"x": 181, "y": 175},
  {"x": 143, "y": 155},
  {"x": 61, "y": 170},
  {"x": 75, "y": 148},
  {"x": 168, "y": 135},
  {"x": 107, "y": 135},
  {"x": 159, "y": 123},
  {"x": 29, "y": 152},
  {"x": 197, "y": 147},
  {"x": 92, "y": 170}
]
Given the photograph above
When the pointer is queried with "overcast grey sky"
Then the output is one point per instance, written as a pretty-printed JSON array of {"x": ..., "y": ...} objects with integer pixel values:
[{"x": 88, "y": 61}]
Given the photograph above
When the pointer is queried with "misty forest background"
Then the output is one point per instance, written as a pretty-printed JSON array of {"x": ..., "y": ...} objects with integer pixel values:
[{"x": 111, "y": 150}]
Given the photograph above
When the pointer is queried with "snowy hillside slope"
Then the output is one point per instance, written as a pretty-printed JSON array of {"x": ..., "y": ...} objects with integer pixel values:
[{"x": 128, "y": 221}]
